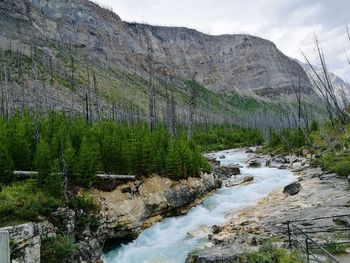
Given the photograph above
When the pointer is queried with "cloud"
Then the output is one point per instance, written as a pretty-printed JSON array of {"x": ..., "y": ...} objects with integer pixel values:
[{"x": 290, "y": 24}]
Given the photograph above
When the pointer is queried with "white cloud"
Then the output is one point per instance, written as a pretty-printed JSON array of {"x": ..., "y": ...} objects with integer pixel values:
[{"x": 290, "y": 24}]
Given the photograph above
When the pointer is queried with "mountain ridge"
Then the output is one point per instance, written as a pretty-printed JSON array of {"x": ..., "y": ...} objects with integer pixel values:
[{"x": 81, "y": 42}]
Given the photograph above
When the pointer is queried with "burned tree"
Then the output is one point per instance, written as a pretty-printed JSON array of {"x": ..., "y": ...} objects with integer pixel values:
[
  {"x": 324, "y": 86},
  {"x": 151, "y": 89},
  {"x": 192, "y": 105}
]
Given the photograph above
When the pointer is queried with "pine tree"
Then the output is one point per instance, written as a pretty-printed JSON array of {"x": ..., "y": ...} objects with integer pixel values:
[
  {"x": 173, "y": 162},
  {"x": 54, "y": 180},
  {"x": 6, "y": 163},
  {"x": 88, "y": 162},
  {"x": 42, "y": 160}
]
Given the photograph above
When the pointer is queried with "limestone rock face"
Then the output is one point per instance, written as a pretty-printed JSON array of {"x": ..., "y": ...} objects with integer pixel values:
[
  {"x": 25, "y": 240},
  {"x": 223, "y": 63},
  {"x": 216, "y": 255},
  {"x": 122, "y": 214}
]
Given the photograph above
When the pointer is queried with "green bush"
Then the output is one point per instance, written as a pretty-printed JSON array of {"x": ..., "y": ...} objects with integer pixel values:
[
  {"x": 25, "y": 201},
  {"x": 339, "y": 164},
  {"x": 57, "y": 249},
  {"x": 268, "y": 253}
]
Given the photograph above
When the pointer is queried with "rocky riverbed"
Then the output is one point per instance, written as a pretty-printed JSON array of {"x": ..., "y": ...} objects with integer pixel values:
[{"x": 316, "y": 193}]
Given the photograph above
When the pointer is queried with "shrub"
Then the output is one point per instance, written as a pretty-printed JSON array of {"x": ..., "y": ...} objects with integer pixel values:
[
  {"x": 57, "y": 249},
  {"x": 25, "y": 201},
  {"x": 268, "y": 253},
  {"x": 339, "y": 164}
]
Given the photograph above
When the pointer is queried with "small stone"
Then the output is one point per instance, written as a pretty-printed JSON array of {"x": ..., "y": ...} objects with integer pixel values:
[
  {"x": 216, "y": 229},
  {"x": 222, "y": 157},
  {"x": 253, "y": 241}
]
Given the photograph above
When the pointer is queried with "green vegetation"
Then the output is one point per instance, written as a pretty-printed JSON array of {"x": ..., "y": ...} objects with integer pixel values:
[
  {"x": 25, "y": 201},
  {"x": 57, "y": 249},
  {"x": 268, "y": 253},
  {"x": 57, "y": 147},
  {"x": 329, "y": 145},
  {"x": 219, "y": 137}
]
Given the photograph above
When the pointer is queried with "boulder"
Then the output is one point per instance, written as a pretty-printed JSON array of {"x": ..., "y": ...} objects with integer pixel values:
[
  {"x": 221, "y": 254},
  {"x": 293, "y": 188},
  {"x": 213, "y": 161},
  {"x": 249, "y": 150},
  {"x": 349, "y": 179},
  {"x": 297, "y": 167},
  {"x": 237, "y": 181},
  {"x": 254, "y": 163},
  {"x": 279, "y": 159},
  {"x": 247, "y": 178},
  {"x": 228, "y": 170}
]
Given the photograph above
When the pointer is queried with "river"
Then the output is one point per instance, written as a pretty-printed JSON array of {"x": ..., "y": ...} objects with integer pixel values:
[{"x": 170, "y": 240}]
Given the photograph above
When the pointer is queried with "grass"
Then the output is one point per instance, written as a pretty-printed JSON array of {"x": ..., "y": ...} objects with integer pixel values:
[{"x": 268, "y": 253}]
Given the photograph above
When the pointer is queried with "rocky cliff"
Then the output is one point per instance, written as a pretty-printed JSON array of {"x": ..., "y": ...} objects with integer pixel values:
[
  {"x": 226, "y": 62},
  {"x": 76, "y": 44},
  {"x": 123, "y": 213}
]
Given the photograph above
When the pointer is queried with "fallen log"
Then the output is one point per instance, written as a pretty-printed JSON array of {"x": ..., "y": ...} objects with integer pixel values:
[
  {"x": 115, "y": 177},
  {"x": 25, "y": 174}
]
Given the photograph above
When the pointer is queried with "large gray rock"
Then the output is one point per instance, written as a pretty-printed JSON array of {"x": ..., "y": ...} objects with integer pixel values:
[
  {"x": 227, "y": 171},
  {"x": 293, "y": 188},
  {"x": 25, "y": 240},
  {"x": 254, "y": 163},
  {"x": 216, "y": 255}
]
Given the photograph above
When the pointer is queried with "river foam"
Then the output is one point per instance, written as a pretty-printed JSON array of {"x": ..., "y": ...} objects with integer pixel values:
[{"x": 170, "y": 240}]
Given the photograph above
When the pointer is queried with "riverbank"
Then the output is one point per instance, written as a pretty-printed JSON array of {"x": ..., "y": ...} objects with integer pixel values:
[
  {"x": 316, "y": 193},
  {"x": 173, "y": 238},
  {"x": 122, "y": 213}
]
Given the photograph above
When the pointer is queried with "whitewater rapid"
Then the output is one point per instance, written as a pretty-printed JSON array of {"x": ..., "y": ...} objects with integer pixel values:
[{"x": 170, "y": 240}]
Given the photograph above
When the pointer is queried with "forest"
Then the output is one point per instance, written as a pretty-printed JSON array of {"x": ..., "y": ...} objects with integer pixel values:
[{"x": 68, "y": 152}]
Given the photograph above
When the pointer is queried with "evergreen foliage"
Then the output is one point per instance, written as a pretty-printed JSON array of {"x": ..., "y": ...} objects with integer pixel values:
[
  {"x": 219, "y": 137},
  {"x": 57, "y": 146}
]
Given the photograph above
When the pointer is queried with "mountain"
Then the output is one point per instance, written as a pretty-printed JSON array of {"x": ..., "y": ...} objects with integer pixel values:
[{"x": 59, "y": 54}]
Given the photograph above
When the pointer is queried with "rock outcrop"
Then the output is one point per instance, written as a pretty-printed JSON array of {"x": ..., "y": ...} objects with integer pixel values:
[
  {"x": 25, "y": 240},
  {"x": 123, "y": 213},
  {"x": 267, "y": 221}
]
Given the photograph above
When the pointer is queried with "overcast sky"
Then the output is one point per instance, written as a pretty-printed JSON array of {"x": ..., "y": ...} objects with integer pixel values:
[{"x": 290, "y": 24}]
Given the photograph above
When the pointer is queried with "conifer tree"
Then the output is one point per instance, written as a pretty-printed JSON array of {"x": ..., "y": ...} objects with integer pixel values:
[
  {"x": 6, "y": 163},
  {"x": 88, "y": 162},
  {"x": 43, "y": 160},
  {"x": 173, "y": 162}
]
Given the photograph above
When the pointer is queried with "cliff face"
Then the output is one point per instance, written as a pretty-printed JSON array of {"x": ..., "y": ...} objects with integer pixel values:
[
  {"x": 228, "y": 62},
  {"x": 124, "y": 213}
]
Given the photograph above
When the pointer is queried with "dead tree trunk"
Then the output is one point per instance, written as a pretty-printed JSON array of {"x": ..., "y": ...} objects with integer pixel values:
[
  {"x": 192, "y": 106},
  {"x": 151, "y": 92}
]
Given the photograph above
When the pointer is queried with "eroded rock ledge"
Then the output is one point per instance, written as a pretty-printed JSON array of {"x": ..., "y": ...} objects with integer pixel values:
[{"x": 124, "y": 212}]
